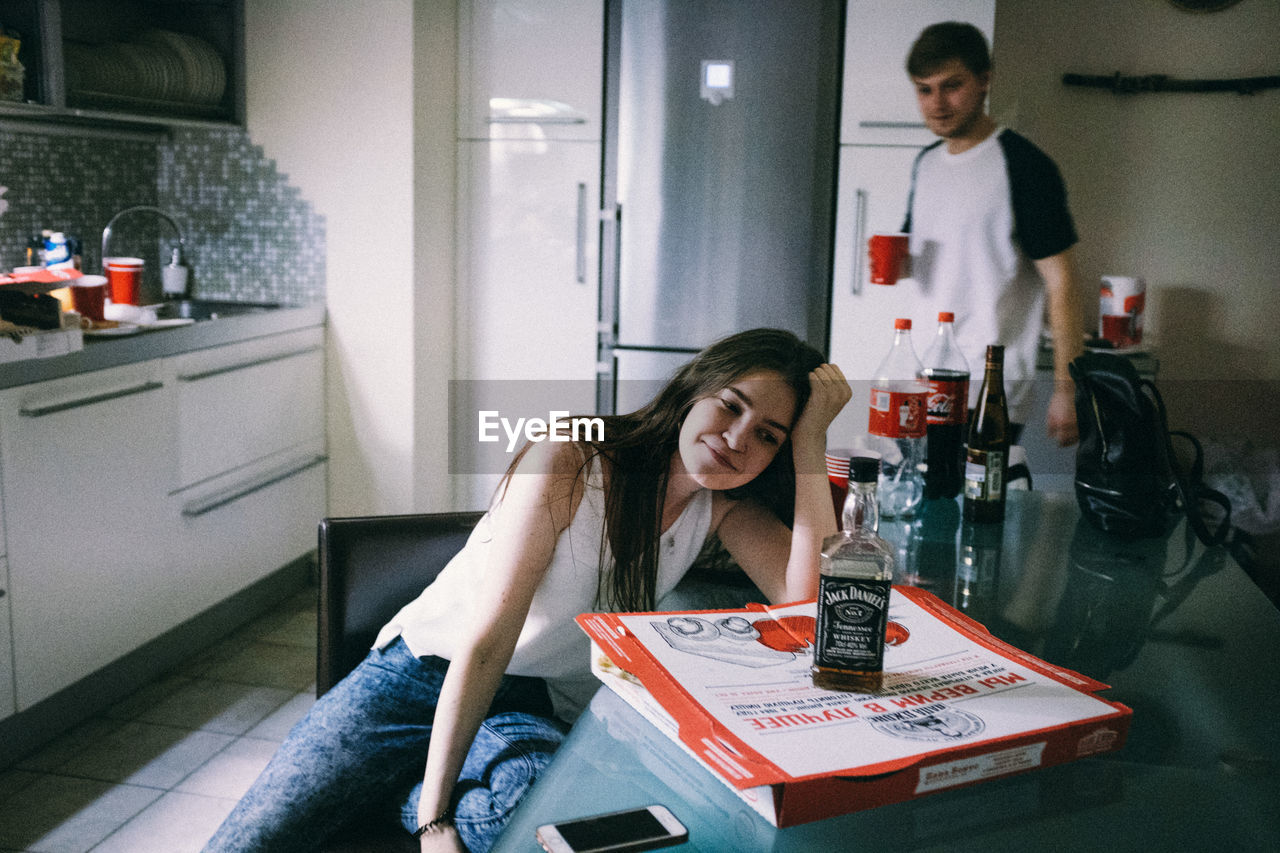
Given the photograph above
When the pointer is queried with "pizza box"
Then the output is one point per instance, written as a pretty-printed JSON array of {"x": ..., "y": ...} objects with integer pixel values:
[{"x": 958, "y": 706}]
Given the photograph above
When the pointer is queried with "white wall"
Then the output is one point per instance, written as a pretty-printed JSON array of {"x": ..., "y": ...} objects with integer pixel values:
[
  {"x": 1183, "y": 189},
  {"x": 331, "y": 97}
]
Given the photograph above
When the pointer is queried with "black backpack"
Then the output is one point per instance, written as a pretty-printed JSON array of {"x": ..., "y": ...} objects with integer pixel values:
[{"x": 1128, "y": 478}]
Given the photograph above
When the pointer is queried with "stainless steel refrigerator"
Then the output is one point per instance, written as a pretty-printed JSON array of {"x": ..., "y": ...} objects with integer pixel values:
[{"x": 719, "y": 179}]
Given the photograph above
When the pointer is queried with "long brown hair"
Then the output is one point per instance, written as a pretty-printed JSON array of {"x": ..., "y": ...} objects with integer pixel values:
[{"x": 639, "y": 446}]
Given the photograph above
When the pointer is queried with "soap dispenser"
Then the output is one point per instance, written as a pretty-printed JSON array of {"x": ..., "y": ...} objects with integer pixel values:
[{"x": 174, "y": 276}]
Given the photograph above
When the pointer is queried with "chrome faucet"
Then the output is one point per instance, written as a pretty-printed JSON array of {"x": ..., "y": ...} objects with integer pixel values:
[{"x": 141, "y": 208}]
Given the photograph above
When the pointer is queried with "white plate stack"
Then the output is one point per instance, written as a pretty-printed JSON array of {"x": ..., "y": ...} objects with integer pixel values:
[{"x": 158, "y": 65}]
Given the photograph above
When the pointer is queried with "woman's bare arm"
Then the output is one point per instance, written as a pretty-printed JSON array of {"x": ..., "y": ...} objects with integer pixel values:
[
  {"x": 537, "y": 506},
  {"x": 782, "y": 562}
]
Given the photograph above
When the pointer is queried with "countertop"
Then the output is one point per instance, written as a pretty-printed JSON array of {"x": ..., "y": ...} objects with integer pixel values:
[
  {"x": 101, "y": 353},
  {"x": 1143, "y": 358}
]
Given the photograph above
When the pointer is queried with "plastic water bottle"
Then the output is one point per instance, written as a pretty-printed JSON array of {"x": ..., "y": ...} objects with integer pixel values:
[{"x": 897, "y": 423}]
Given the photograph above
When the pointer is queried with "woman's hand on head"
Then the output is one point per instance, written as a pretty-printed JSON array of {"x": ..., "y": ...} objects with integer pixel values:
[{"x": 829, "y": 391}]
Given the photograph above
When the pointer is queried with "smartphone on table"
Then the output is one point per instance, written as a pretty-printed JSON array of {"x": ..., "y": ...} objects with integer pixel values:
[{"x": 616, "y": 832}]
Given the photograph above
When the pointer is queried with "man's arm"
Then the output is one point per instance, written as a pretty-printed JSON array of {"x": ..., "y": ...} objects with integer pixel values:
[{"x": 1067, "y": 326}]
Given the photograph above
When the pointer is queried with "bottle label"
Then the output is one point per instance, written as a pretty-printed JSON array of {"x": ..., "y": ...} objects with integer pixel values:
[
  {"x": 948, "y": 401},
  {"x": 897, "y": 414},
  {"x": 984, "y": 475},
  {"x": 852, "y": 616}
]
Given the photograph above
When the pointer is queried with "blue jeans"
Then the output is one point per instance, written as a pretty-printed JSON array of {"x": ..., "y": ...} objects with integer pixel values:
[{"x": 363, "y": 746}]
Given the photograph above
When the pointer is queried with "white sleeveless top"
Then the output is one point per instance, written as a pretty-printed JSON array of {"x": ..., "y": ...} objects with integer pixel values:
[{"x": 551, "y": 645}]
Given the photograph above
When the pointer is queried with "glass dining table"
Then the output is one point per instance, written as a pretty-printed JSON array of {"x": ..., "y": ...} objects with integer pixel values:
[{"x": 1180, "y": 632}]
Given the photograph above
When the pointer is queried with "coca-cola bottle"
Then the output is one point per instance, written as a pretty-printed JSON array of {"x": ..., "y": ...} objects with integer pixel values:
[
  {"x": 896, "y": 423},
  {"x": 947, "y": 374}
]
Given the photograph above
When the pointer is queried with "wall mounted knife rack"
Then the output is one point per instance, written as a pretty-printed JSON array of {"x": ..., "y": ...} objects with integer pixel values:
[{"x": 1151, "y": 83}]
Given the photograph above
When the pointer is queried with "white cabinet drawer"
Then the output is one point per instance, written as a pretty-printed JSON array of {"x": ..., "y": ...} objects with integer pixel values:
[
  {"x": 244, "y": 402},
  {"x": 240, "y": 527}
]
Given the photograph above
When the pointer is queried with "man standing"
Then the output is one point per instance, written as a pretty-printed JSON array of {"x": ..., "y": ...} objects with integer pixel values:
[{"x": 991, "y": 234}]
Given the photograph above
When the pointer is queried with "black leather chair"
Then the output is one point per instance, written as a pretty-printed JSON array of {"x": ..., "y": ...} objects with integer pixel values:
[{"x": 369, "y": 568}]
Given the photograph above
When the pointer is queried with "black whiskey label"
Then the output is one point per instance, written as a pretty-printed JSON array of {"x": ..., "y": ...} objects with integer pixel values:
[{"x": 852, "y": 615}]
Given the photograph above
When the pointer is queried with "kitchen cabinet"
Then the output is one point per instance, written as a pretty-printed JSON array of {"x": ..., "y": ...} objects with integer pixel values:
[
  {"x": 879, "y": 99},
  {"x": 530, "y": 233},
  {"x": 530, "y": 93},
  {"x": 249, "y": 487},
  {"x": 527, "y": 311},
  {"x": 530, "y": 65},
  {"x": 7, "y": 703},
  {"x": 139, "y": 496},
  {"x": 140, "y": 60},
  {"x": 871, "y": 196},
  {"x": 85, "y": 459}
]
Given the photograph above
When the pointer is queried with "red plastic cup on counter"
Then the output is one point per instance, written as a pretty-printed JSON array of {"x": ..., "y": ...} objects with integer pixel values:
[
  {"x": 887, "y": 253},
  {"x": 125, "y": 278},
  {"x": 88, "y": 296}
]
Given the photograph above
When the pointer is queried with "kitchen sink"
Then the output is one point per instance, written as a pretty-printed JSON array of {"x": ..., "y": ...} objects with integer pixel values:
[{"x": 209, "y": 309}]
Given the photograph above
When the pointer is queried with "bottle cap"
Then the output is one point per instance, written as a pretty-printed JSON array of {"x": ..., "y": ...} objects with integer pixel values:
[
  {"x": 995, "y": 354},
  {"x": 902, "y": 323},
  {"x": 864, "y": 469},
  {"x": 946, "y": 317}
]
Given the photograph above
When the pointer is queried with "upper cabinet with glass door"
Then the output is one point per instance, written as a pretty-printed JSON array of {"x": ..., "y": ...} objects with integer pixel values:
[
  {"x": 879, "y": 100},
  {"x": 530, "y": 69},
  {"x": 147, "y": 60}
]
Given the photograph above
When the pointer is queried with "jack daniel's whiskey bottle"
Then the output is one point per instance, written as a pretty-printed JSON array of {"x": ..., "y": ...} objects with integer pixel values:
[{"x": 855, "y": 575}]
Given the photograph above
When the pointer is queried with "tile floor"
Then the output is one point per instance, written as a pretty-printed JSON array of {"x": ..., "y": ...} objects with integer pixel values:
[{"x": 159, "y": 771}]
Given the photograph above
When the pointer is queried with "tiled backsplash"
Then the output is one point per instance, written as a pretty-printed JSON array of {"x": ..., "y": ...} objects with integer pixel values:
[{"x": 249, "y": 235}]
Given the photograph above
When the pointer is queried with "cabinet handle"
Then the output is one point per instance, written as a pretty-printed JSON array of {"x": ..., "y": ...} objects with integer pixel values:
[
  {"x": 244, "y": 365},
  {"x": 54, "y": 408},
  {"x": 199, "y": 507},
  {"x": 859, "y": 239},
  {"x": 493, "y": 119},
  {"x": 893, "y": 125},
  {"x": 581, "y": 256}
]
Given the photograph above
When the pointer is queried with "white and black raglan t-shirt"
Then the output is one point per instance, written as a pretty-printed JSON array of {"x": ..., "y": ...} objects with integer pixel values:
[{"x": 977, "y": 221}]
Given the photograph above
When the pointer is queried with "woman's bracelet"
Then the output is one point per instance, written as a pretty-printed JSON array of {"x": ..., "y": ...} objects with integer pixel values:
[{"x": 444, "y": 820}]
